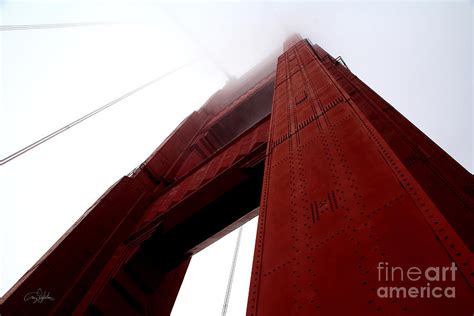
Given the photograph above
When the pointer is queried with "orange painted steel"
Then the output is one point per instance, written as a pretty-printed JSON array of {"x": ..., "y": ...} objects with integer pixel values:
[
  {"x": 346, "y": 188},
  {"x": 340, "y": 206}
]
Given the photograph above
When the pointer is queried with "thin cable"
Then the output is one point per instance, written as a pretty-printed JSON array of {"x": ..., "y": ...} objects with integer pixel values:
[
  {"x": 231, "y": 276},
  {"x": 28, "y": 27},
  {"x": 85, "y": 117}
]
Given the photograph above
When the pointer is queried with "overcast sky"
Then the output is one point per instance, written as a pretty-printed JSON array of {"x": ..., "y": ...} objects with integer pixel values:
[{"x": 415, "y": 54}]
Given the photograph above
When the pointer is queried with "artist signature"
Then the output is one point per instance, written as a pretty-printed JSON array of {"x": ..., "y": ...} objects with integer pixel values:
[{"x": 38, "y": 297}]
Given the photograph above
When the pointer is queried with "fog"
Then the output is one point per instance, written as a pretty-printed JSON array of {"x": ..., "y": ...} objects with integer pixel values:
[{"x": 415, "y": 54}]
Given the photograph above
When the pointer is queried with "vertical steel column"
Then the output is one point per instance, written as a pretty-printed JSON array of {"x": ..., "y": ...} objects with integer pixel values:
[{"x": 337, "y": 203}]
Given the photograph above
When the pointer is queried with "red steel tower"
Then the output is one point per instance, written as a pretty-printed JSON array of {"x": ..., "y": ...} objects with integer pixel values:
[{"x": 360, "y": 212}]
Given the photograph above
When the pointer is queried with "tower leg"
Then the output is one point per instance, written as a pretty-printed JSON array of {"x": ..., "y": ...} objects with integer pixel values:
[{"x": 340, "y": 213}]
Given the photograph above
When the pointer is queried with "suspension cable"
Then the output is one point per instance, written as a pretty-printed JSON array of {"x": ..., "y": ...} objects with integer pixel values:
[
  {"x": 85, "y": 117},
  {"x": 231, "y": 275},
  {"x": 27, "y": 27}
]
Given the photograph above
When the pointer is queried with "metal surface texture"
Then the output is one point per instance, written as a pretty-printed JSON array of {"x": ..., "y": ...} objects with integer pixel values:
[
  {"x": 345, "y": 187},
  {"x": 128, "y": 254},
  {"x": 338, "y": 202}
]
